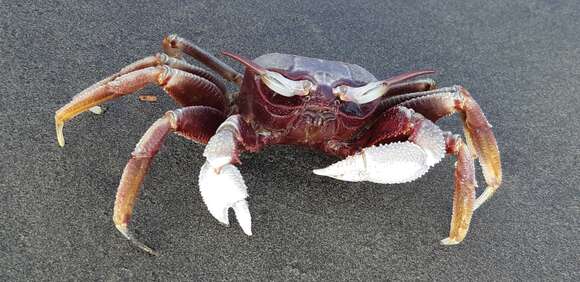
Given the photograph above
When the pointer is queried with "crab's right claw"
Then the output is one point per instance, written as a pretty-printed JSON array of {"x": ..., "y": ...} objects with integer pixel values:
[
  {"x": 386, "y": 164},
  {"x": 222, "y": 189},
  {"x": 389, "y": 163}
]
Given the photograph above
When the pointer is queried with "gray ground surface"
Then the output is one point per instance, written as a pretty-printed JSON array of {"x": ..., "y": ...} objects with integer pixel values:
[{"x": 520, "y": 59}]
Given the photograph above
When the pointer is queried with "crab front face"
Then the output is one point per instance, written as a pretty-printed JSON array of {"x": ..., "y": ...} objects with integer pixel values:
[{"x": 309, "y": 101}]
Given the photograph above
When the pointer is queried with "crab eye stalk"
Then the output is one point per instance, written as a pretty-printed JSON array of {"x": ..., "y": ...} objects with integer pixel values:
[
  {"x": 275, "y": 81},
  {"x": 373, "y": 90},
  {"x": 363, "y": 94},
  {"x": 285, "y": 87}
]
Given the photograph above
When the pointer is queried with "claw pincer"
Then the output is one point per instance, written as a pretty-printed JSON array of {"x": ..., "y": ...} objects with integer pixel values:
[
  {"x": 220, "y": 183},
  {"x": 397, "y": 162},
  {"x": 386, "y": 164}
]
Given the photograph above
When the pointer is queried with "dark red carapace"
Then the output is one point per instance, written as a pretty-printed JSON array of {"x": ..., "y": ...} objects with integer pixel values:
[{"x": 320, "y": 119}]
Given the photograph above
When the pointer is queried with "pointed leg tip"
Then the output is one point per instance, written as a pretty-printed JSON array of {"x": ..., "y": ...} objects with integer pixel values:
[
  {"x": 145, "y": 248},
  {"x": 123, "y": 229},
  {"x": 59, "y": 134},
  {"x": 97, "y": 110},
  {"x": 149, "y": 250},
  {"x": 487, "y": 194},
  {"x": 449, "y": 242}
]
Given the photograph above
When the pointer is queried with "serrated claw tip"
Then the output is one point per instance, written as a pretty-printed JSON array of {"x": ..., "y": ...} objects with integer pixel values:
[{"x": 221, "y": 215}]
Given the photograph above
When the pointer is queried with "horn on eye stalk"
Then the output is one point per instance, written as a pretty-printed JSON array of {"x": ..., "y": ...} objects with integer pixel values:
[
  {"x": 373, "y": 90},
  {"x": 275, "y": 81}
]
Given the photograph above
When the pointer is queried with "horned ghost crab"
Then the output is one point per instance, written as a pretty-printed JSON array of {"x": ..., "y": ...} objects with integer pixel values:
[{"x": 384, "y": 130}]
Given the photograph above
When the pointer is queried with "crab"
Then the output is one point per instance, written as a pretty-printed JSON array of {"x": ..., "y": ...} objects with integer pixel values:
[{"x": 384, "y": 131}]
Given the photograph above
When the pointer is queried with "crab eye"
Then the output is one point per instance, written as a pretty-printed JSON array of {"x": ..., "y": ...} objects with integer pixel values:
[
  {"x": 363, "y": 94},
  {"x": 373, "y": 90},
  {"x": 284, "y": 86}
]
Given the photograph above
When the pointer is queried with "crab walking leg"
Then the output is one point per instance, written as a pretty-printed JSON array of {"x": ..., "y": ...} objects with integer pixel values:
[
  {"x": 157, "y": 60},
  {"x": 161, "y": 59},
  {"x": 393, "y": 162},
  {"x": 195, "y": 123},
  {"x": 464, "y": 194},
  {"x": 478, "y": 134},
  {"x": 220, "y": 182},
  {"x": 185, "y": 88},
  {"x": 175, "y": 46},
  {"x": 399, "y": 162},
  {"x": 400, "y": 98}
]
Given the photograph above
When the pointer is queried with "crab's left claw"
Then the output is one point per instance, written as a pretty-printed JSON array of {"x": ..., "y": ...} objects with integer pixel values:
[{"x": 225, "y": 189}]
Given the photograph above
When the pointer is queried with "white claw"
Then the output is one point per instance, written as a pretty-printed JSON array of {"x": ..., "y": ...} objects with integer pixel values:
[
  {"x": 387, "y": 164},
  {"x": 225, "y": 189},
  {"x": 350, "y": 169},
  {"x": 243, "y": 216}
]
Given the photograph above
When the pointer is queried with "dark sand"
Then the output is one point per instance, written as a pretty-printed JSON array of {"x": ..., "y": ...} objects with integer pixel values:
[{"x": 520, "y": 59}]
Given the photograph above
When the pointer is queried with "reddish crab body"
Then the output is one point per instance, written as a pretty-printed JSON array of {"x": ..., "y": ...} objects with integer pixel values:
[
  {"x": 384, "y": 130},
  {"x": 318, "y": 120}
]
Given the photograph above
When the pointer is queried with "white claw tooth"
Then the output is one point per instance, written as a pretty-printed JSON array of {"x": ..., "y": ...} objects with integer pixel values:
[
  {"x": 243, "y": 216},
  {"x": 220, "y": 191},
  {"x": 327, "y": 171},
  {"x": 221, "y": 214},
  {"x": 349, "y": 169}
]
